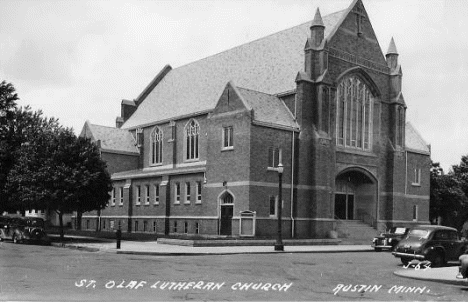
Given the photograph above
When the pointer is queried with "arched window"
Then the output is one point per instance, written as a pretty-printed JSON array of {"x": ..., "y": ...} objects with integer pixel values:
[
  {"x": 354, "y": 114},
  {"x": 192, "y": 132},
  {"x": 227, "y": 198},
  {"x": 156, "y": 146}
]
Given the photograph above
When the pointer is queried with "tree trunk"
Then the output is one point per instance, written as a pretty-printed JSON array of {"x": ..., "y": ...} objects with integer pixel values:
[
  {"x": 98, "y": 222},
  {"x": 79, "y": 215},
  {"x": 61, "y": 225}
]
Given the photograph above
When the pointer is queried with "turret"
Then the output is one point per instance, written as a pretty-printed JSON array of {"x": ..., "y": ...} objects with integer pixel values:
[
  {"x": 392, "y": 56},
  {"x": 317, "y": 30}
]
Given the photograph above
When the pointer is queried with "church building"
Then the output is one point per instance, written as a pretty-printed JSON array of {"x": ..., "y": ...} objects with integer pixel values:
[{"x": 201, "y": 150}]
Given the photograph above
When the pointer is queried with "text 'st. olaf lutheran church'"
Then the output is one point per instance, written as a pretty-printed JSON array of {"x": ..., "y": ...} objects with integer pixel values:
[{"x": 197, "y": 152}]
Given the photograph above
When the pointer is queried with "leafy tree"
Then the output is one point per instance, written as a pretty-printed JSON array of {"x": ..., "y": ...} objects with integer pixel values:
[
  {"x": 61, "y": 172},
  {"x": 8, "y": 99},
  {"x": 448, "y": 201}
]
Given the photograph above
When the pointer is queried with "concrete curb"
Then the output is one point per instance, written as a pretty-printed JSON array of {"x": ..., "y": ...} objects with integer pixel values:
[
  {"x": 230, "y": 253},
  {"x": 76, "y": 247},
  {"x": 434, "y": 277}
]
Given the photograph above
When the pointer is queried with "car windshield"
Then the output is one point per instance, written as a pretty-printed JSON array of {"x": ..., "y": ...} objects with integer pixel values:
[
  {"x": 419, "y": 233},
  {"x": 400, "y": 230},
  {"x": 35, "y": 222}
]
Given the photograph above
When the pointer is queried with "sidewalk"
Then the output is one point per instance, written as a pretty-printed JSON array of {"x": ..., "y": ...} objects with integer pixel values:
[
  {"x": 445, "y": 275},
  {"x": 158, "y": 249}
]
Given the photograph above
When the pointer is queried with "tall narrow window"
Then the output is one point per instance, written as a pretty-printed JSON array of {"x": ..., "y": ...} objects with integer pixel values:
[
  {"x": 417, "y": 177},
  {"x": 199, "y": 193},
  {"x": 177, "y": 193},
  {"x": 185, "y": 227},
  {"x": 156, "y": 194},
  {"x": 325, "y": 110},
  {"x": 145, "y": 226},
  {"x": 272, "y": 204},
  {"x": 154, "y": 226},
  {"x": 113, "y": 197},
  {"x": 192, "y": 131},
  {"x": 400, "y": 126},
  {"x": 228, "y": 140},
  {"x": 136, "y": 226},
  {"x": 187, "y": 192},
  {"x": 138, "y": 195},
  {"x": 415, "y": 213},
  {"x": 120, "y": 196},
  {"x": 197, "y": 228},
  {"x": 274, "y": 157},
  {"x": 175, "y": 226},
  {"x": 147, "y": 194},
  {"x": 156, "y": 146},
  {"x": 354, "y": 114}
]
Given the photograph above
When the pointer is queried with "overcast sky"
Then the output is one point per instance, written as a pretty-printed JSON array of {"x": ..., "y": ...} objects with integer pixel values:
[{"x": 77, "y": 60}]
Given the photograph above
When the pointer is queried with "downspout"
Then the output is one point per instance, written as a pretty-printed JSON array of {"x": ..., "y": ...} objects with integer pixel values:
[
  {"x": 406, "y": 172},
  {"x": 293, "y": 222}
]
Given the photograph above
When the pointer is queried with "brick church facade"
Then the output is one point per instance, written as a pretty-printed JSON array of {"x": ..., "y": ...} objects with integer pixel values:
[{"x": 197, "y": 152}]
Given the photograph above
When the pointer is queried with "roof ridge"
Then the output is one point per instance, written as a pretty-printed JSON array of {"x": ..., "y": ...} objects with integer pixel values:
[
  {"x": 111, "y": 127},
  {"x": 249, "y": 89},
  {"x": 256, "y": 40}
]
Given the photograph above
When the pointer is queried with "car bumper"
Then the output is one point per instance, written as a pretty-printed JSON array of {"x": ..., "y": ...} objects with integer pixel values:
[
  {"x": 408, "y": 255},
  {"x": 377, "y": 246}
]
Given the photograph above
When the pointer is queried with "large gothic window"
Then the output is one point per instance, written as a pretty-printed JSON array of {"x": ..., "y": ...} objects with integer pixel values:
[
  {"x": 354, "y": 114},
  {"x": 156, "y": 146},
  {"x": 192, "y": 131}
]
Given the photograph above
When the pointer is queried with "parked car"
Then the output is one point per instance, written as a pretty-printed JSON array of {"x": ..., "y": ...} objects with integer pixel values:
[
  {"x": 29, "y": 229},
  {"x": 435, "y": 243},
  {"x": 389, "y": 239}
]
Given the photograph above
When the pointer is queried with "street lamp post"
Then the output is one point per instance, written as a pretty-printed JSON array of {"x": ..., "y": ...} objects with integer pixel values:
[{"x": 279, "y": 240}]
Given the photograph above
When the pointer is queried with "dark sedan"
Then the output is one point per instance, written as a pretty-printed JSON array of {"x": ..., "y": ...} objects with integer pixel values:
[
  {"x": 435, "y": 243},
  {"x": 28, "y": 229}
]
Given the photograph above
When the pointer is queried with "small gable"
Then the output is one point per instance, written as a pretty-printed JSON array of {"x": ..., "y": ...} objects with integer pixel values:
[
  {"x": 230, "y": 100},
  {"x": 414, "y": 141},
  {"x": 268, "y": 110},
  {"x": 111, "y": 139}
]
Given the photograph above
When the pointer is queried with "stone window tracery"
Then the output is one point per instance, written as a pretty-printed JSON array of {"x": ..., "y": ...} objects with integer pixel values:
[{"x": 354, "y": 114}]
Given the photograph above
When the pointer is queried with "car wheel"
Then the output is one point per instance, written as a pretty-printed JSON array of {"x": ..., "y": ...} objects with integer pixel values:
[
  {"x": 437, "y": 260},
  {"x": 405, "y": 261},
  {"x": 15, "y": 239}
]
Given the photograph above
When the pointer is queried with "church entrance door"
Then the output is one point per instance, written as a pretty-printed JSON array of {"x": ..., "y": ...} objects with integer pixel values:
[
  {"x": 355, "y": 196},
  {"x": 227, "y": 211},
  {"x": 226, "y": 220},
  {"x": 344, "y": 206}
]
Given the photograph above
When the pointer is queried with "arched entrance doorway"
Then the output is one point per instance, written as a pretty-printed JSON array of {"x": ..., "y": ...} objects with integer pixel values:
[
  {"x": 355, "y": 196},
  {"x": 227, "y": 211}
]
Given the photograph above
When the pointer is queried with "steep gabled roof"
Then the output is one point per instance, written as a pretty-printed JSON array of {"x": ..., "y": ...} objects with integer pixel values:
[
  {"x": 414, "y": 141},
  {"x": 269, "y": 64},
  {"x": 112, "y": 139},
  {"x": 268, "y": 109}
]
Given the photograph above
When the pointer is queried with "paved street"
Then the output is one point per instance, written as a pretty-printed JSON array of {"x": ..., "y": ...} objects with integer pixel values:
[{"x": 49, "y": 273}]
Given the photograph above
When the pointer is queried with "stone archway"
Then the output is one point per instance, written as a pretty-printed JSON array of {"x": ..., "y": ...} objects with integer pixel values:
[{"x": 356, "y": 196}]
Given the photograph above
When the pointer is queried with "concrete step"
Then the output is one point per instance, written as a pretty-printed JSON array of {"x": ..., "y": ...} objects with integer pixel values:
[{"x": 355, "y": 232}]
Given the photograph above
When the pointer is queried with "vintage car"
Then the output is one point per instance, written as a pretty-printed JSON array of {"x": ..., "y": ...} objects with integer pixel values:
[
  {"x": 28, "y": 229},
  {"x": 437, "y": 244},
  {"x": 389, "y": 239}
]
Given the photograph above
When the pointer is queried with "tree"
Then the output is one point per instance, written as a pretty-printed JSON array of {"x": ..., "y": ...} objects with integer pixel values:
[
  {"x": 61, "y": 172},
  {"x": 448, "y": 201},
  {"x": 8, "y": 98}
]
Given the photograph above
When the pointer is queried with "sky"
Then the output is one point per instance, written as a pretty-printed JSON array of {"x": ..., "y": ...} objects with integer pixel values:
[{"x": 76, "y": 60}]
